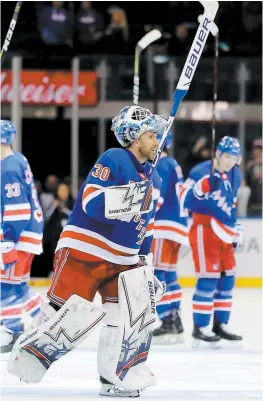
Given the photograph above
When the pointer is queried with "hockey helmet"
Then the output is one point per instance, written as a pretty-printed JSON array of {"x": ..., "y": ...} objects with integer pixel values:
[
  {"x": 230, "y": 145},
  {"x": 134, "y": 121},
  {"x": 8, "y": 132}
]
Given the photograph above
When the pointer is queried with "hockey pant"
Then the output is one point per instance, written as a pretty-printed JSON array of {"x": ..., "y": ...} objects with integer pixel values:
[
  {"x": 215, "y": 270},
  {"x": 79, "y": 273},
  {"x": 17, "y": 298}
]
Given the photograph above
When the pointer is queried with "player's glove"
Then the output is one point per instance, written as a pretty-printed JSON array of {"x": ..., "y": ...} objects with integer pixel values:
[
  {"x": 237, "y": 244},
  {"x": 8, "y": 256},
  {"x": 206, "y": 184}
]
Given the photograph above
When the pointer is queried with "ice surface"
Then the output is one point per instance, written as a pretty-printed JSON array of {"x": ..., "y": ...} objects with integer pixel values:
[{"x": 182, "y": 373}]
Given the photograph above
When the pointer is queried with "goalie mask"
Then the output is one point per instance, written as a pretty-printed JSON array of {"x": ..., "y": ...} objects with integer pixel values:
[{"x": 133, "y": 121}]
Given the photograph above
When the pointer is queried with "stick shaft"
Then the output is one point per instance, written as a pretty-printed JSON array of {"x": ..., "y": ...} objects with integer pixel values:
[
  {"x": 215, "y": 88},
  {"x": 11, "y": 29}
]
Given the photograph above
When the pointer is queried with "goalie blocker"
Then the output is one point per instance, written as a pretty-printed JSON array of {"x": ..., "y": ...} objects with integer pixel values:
[{"x": 124, "y": 342}]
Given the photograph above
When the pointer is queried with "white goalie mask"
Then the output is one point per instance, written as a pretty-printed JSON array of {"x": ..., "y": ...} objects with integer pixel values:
[{"x": 134, "y": 121}]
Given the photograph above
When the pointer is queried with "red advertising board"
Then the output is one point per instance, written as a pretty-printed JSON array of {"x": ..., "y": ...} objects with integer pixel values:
[{"x": 50, "y": 88}]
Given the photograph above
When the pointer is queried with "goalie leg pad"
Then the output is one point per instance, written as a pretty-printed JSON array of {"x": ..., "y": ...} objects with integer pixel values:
[
  {"x": 36, "y": 350},
  {"x": 123, "y": 349}
]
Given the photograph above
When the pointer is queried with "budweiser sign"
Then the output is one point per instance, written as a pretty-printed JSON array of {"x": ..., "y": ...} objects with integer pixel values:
[{"x": 49, "y": 88}]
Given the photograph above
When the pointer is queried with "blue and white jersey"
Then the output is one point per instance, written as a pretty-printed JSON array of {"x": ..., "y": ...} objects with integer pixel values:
[
  {"x": 168, "y": 222},
  {"x": 21, "y": 215},
  {"x": 220, "y": 204},
  {"x": 89, "y": 231}
]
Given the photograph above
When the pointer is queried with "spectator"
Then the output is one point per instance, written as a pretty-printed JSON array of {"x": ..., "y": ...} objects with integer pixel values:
[
  {"x": 243, "y": 196},
  {"x": 55, "y": 25},
  {"x": 117, "y": 33},
  {"x": 179, "y": 42},
  {"x": 47, "y": 196},
  {"x": 61, "y": 209},
  {"x": 200, "y": 152},
  {"x": 254, "y": 179},
  {"x": 89, "y": 28}
]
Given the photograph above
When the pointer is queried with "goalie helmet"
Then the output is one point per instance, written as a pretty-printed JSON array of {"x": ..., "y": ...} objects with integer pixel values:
[
  {"x": 8, "y": 132},
  {"x": 134, "y": 121},
  {"x": 230, "y": 145}
]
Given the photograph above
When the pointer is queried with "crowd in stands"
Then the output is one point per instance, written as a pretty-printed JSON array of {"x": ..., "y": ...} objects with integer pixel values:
[{"x": 67, "y": 28}]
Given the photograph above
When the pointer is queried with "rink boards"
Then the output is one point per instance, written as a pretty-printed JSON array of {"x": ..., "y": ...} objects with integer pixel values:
[{"x": 249, "y": 260}]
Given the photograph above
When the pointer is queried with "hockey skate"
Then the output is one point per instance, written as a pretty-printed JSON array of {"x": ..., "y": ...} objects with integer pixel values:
[
  {"x": 230, "y": 339},
  {"x": 110, "y": 390},
  {"x": 203, "y": 337},
  {"x": 171, "y": 330},
  {"x": 8, "y": 339}
]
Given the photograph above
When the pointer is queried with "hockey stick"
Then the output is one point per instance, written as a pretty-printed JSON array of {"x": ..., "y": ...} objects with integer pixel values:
[
  {"x": 215, "y": 32},
  {"x": 11, "y": 29},
  {"x": 215, "y": 85},
  {"x": 210, "y": 10},
  {"x": 145, "y": 41}
]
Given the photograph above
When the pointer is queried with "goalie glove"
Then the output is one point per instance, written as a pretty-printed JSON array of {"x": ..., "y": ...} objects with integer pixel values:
[
  {"x": 8, "y": 256},
  {"x": 159, "y": 288}
]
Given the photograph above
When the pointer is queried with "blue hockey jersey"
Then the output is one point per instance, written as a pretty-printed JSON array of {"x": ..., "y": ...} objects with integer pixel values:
[
  {"x": 89, "y": 231},
  {"x": 220, "y": 204},
  {"x": 168, "y": 222},
  {"x": 21, "y": 214}
]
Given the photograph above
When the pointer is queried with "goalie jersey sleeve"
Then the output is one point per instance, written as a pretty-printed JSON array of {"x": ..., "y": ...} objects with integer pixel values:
[
  {"x": 168, "y": 222},
  {"x": 21, "y": 214}
]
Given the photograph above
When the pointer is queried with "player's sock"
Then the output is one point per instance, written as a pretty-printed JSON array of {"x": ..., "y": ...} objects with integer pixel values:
[
  {"x": 222, "y": 308},
  {"x": 203, "y": 301},
  {"x": 223, "y": 299}
]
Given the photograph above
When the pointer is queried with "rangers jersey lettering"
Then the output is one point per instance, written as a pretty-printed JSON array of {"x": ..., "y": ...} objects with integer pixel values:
[{"x": 220, "y": 204}]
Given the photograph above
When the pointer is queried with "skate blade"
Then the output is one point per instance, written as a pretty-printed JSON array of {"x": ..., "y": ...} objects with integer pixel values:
[
  {"x": 108, "y": 390},
  {"x": 206, "y": 344},
  {"x": 167, "y": 339},
  {"x": 228, "y": 344}
]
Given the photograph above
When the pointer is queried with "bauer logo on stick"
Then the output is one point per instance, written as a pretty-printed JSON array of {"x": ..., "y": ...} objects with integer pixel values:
[{"x": 197, "y": 48}]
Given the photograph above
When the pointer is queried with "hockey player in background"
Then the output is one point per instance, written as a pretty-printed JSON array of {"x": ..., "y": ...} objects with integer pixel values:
[
  {"x": 211, "y": 194},
  {"x": 21, "y": 238},
  {"x": 105, "y": 247},
  {"x": 170, "y": 231}
]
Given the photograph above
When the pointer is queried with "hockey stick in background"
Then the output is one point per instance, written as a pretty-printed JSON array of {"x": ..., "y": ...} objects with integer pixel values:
[
  {"x": 215, "y": 32},
  {"x": 210, "y": 10},
  {"x": 145, "y": 41},
  {"x": 11, "y": 29}
]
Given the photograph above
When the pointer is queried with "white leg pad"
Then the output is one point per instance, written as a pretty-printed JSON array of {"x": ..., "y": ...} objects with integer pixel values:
[
  {"x": 123, "y": 350},
  {"x": 37, "y": 349}
]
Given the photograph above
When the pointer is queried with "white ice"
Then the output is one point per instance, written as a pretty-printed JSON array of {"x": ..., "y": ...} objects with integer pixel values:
[{"x": 182, "y": 373}]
